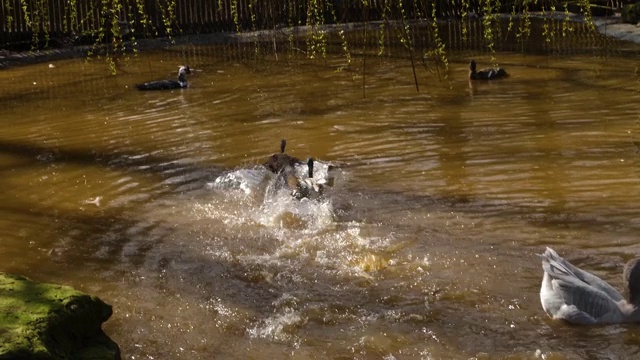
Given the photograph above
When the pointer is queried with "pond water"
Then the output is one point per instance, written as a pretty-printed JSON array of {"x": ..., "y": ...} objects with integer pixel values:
[{"x": 425, "y": 247}]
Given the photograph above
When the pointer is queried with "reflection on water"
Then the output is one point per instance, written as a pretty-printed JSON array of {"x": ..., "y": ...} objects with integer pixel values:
[{"x": 424, "y": 248}]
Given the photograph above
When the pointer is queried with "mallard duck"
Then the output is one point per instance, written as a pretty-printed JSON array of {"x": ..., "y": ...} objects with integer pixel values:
[
  {"x": 579, "y": 297},
  {"x": 485, "y": 74},
  {"x": 278, "y": 162},
  {"x": 306, "y": 187},
  {"x": 168, "y": 84}
]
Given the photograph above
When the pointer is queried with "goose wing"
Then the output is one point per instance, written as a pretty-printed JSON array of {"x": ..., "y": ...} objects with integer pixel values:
[
  {"x": 584, "y": 276},
  {"x": 580, "y": 303},
  {"x": 585, "y": 305},
  {"x": 491, "y": 73},
  {"x": 279, "y": 162}
]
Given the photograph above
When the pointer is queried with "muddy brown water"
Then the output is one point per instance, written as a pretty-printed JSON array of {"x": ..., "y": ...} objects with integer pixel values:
[{"x": 424, "y": 248}]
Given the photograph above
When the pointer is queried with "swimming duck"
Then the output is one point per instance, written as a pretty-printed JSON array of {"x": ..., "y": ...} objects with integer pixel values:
[
  {"x": 485, "y": 74},
  {"x": 305, "y": 188},
  {"x": 579, "y": 297},
  {"x": 278, "y": 162},
  {"x": 168, "y": 84}
]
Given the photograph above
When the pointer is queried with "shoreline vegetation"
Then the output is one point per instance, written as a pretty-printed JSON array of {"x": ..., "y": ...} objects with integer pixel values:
[{"x": 611, "y": 26}]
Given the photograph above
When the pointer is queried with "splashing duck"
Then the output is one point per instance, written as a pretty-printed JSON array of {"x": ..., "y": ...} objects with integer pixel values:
[
  {"x": 485, "y": 74},
  {"x": 579, "y": 297},
  {"x": 168, "y": 84},
  {"x": 279, "y": 162},
  {"x": 305, "y": 187}
]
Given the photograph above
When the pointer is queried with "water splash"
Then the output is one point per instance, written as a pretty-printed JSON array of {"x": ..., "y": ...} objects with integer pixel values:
[
  {"x": 283, "y": 324},
  {"x": 247, "y": 181}
]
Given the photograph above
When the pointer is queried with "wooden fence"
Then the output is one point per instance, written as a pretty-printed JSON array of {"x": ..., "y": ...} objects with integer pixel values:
[{"x": 26, "y": 21}]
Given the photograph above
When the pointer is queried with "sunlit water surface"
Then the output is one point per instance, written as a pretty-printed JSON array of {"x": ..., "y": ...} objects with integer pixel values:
[{"x": 424, "y": 248}]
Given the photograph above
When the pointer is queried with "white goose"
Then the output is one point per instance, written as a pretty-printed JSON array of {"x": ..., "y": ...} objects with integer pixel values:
[{"x": 579, "y": 297}]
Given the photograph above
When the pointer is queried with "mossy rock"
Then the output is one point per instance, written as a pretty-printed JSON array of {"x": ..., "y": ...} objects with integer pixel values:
[
  {"x": 631, "y": 13},
  {"x": 46, "y": 321}
]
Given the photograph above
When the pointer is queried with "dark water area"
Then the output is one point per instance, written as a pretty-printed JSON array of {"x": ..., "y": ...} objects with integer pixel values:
[{"x": 424, "y": 248}]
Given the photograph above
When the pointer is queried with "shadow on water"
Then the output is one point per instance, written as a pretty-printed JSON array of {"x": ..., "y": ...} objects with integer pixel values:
[{"x": 144, "y": 163}]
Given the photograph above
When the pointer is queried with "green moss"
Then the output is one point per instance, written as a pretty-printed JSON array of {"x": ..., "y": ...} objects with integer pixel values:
[{"x": 47, "y": 321}]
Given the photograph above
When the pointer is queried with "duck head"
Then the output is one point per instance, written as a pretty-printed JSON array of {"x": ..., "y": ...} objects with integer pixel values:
[
  {"x": 631, "y": 280},
  {"x": 472, "y": 70},
  {"x": 182, "y": 72}
]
